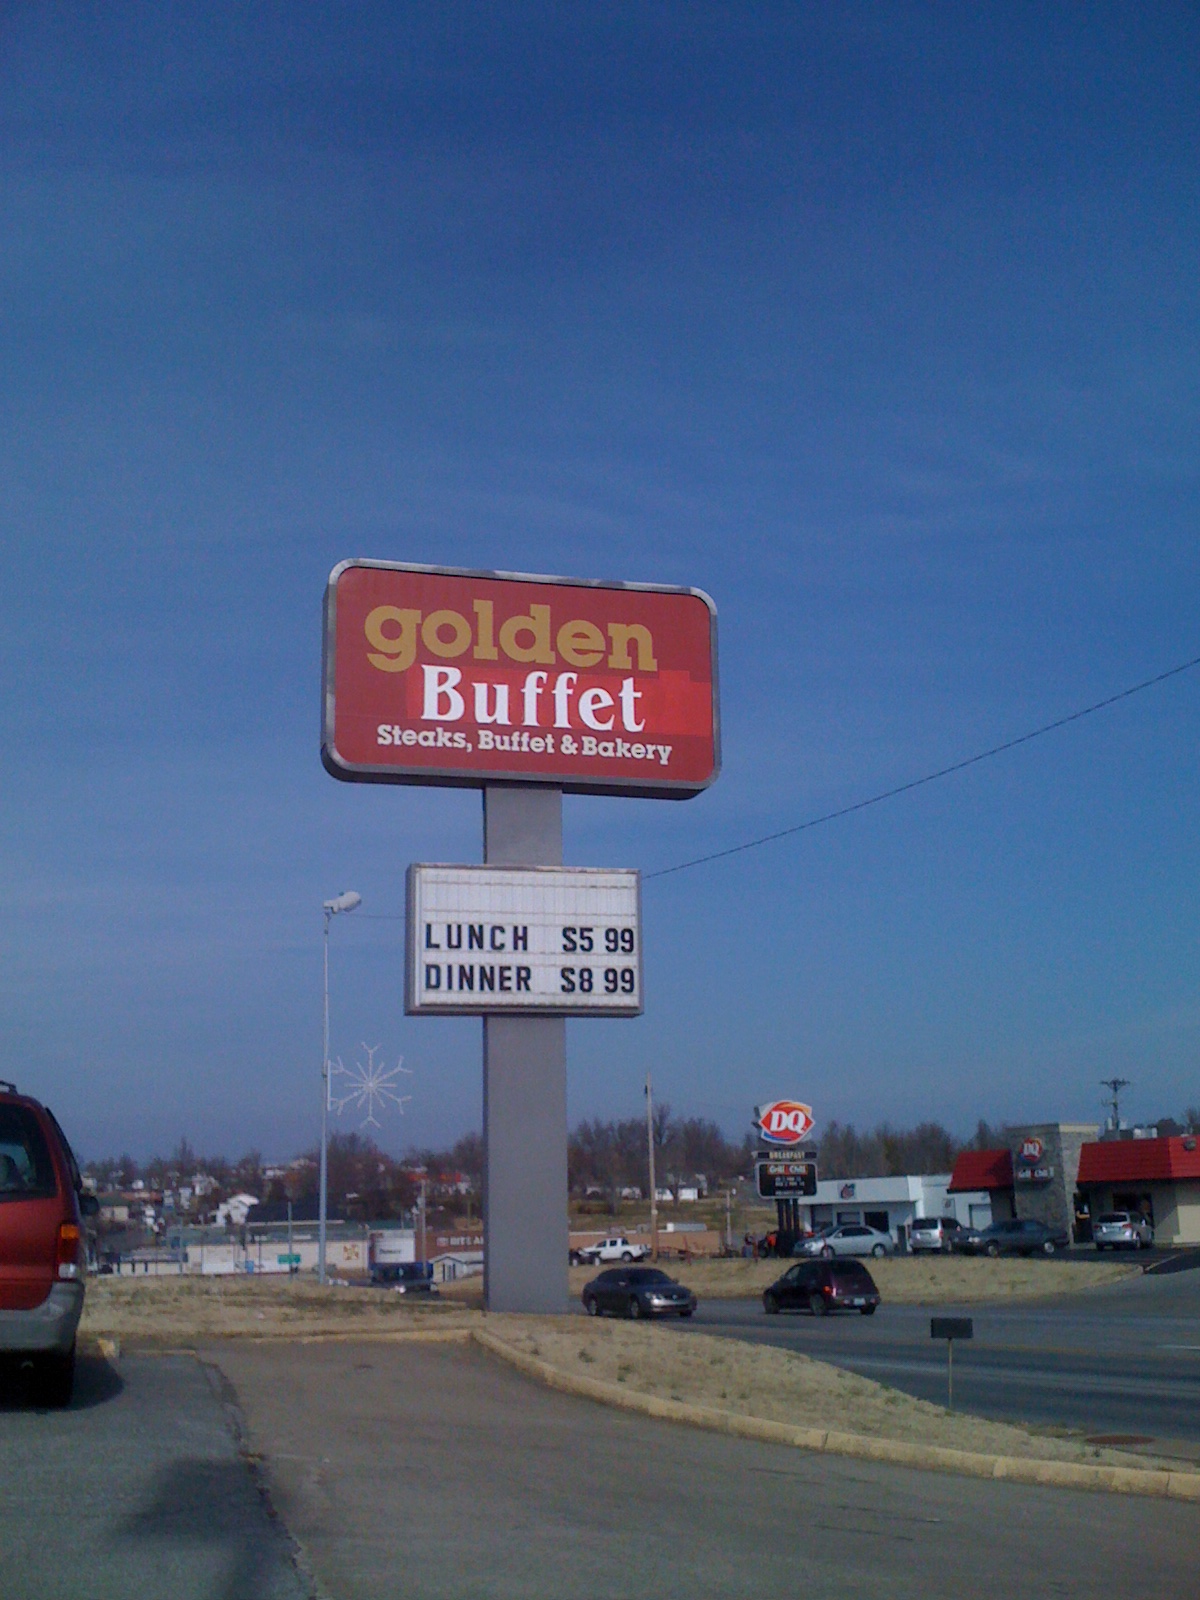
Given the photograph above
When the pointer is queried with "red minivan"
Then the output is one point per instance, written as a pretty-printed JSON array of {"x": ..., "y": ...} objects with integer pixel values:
[{"x": 42, "y": 1250}]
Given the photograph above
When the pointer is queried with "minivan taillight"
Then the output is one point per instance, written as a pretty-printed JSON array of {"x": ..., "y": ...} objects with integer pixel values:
[{"x": 68, "y": 1250}]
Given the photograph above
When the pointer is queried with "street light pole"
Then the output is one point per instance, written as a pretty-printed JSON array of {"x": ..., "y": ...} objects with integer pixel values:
[
  {"x": 653, "y": 1179},
  {"x": 346, "y": 901}
]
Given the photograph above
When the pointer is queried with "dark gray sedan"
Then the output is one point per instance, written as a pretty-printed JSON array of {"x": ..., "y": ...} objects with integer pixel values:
[
  {"x": 637, "y": 1292},
  {"x": 1016, "y": 1236}
]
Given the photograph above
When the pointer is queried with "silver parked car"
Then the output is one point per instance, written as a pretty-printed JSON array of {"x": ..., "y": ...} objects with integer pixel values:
[
  {"x": 847, "y": 1239},
  {"x": 936, "y": 1233},
  {"x": 1122, "y": 1230}
]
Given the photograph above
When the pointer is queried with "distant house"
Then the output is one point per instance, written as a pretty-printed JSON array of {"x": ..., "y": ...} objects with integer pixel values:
[{"x": 232, "y": 1213}]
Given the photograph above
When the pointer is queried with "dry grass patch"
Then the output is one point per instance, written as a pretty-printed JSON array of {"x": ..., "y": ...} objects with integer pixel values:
[
  {"x": 179, "y": 1310},
  {"x": 779, "y": 1385}
]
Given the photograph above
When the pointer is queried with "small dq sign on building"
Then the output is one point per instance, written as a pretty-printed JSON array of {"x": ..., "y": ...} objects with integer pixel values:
[{"x": 434, "y": 675}]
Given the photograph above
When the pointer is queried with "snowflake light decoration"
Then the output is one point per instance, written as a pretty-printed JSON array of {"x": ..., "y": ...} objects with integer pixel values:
[{"x": 368, "y": 1084}]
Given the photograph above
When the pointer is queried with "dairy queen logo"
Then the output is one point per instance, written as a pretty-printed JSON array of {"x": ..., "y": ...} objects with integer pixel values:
[
  {"x": 786, "y": 1122},
  {"x": 1031, "y": 1151}
]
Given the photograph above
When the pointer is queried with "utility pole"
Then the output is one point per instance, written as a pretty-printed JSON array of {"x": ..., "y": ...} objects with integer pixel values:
[
  {"x": 423, "y": 1255},
  {"x": 346, "y": 901},
  {"x": 653, "y": 1181},
  {"x": 1115, "y": 1085}
]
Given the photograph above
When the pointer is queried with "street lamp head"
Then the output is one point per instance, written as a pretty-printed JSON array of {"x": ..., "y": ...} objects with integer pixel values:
[{"x": 346, "y": 901}]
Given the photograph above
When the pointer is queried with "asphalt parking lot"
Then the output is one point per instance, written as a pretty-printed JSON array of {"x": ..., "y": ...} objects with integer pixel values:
[
  {"x": 1122, "y": 1360},
  {"x": 276, "y": 1471},
  {"x": 435, "y": 1471},
  {"x": 139, "y": 1489},
  {"x": 426, "y": 1472}
]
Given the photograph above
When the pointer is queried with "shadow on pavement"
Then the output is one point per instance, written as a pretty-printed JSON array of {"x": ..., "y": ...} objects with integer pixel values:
[
  {"x": 97, "y": 1382},
  {"x": 215, "y": 1503}
]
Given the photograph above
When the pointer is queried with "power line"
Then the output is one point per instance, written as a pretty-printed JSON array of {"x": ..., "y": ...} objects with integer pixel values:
[{"x": 930, "y": 777}]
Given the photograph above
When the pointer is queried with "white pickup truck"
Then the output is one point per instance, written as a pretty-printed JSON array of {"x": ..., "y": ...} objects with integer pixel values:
[{"x": 615, "y": 1249}]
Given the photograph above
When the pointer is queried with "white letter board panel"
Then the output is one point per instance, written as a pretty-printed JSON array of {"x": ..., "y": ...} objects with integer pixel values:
[{"x": 559, "y": 941}]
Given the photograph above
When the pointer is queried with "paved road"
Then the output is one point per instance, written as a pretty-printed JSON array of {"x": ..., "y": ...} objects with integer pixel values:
[
  {"x": 1124, "y": 1360},
  {"x": 435, "y": 1471},
  {"x": 138, "y": 1490}
]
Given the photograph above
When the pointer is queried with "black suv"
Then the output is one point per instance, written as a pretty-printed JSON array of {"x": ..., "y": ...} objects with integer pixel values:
[{"x": 822, "y": 1287}]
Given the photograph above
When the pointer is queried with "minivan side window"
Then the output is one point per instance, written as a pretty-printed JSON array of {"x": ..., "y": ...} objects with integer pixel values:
[
  {"x": 26, "y": 1170},
  {"x": 72, "y": 1164}
]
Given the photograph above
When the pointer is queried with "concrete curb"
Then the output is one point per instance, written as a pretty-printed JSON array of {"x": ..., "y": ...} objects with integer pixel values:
[
  {"x": 937, "y": 1458},
  {"x": 110, "y": 1347}
]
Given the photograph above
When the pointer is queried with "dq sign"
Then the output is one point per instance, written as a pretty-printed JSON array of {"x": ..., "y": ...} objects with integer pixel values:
[
  {"x": 1031, "y": 1151},
  {"x": 785, "y": 1122},
  {"x": 435, "y": 675}
]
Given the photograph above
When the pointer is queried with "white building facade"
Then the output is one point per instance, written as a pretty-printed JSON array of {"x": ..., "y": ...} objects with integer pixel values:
[{"x": 890, "y": 1204}]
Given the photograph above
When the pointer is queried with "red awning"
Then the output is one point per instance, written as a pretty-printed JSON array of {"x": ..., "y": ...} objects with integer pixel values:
[
  {"x": 982, "y": 1169},
  {"x": 1140, "y": 1160}
]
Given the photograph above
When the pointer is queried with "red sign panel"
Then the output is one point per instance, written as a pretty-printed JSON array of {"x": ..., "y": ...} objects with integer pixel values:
[
  {"x": 786, "y": 1122},
  {"x": 435, "y": 675}
]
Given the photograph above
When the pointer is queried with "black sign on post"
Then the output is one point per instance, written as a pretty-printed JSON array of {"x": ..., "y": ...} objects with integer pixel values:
[
  {"x": 780, "y": 1177},
  {"x": 951, "y": 1328}
]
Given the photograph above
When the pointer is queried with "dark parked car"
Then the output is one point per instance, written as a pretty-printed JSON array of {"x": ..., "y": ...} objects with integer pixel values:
[
  {"x": 405, "y": 1277},
  {"x": 637, "y": 1292},
  {"x": 822, "y": 1287},
  {"x": 1016, "y": 1236},
  {"x": 42, "y": 1251}
]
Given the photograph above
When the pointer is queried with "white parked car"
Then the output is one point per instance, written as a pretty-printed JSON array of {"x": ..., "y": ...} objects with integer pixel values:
[
  {"x": 616, "y": 1249},
  {"x": 847, "y": 1239},
  {"x": 1122, "y": 1230}
]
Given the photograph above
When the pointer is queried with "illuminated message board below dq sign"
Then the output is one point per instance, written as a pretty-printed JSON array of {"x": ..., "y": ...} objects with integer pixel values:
[
  {"x": 555, "y": 941},
  {"x": 777, "y": 1180},
  {"x": 434, "y": 675}
]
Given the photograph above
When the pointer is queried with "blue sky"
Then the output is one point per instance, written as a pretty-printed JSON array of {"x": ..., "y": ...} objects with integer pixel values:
[{"x": 879, "y": 323}]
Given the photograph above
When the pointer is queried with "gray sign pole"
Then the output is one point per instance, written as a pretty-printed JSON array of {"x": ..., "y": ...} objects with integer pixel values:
[{"x": 524, "y": 1096}]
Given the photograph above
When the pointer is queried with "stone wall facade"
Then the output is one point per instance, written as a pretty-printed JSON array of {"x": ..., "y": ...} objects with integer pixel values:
[{"x": 1044, "y": 1184}]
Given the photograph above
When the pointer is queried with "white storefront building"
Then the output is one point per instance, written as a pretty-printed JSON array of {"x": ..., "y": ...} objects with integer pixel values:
[{"x": 891, "y": 1203}]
